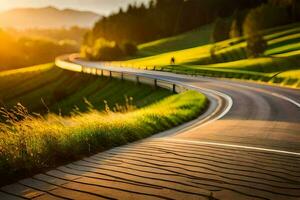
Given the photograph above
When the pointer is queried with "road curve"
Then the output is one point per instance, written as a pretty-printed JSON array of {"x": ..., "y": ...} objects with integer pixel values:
[{"x": 247, "y": 146}]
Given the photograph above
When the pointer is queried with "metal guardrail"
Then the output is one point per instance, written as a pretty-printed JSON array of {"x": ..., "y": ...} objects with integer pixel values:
[{"x": 139, "y": 79}]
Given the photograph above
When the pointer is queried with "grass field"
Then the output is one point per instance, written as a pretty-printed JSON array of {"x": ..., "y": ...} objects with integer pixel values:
[
  {"x": 192, "y": 52},
  {"x": 47, "y": 87},
  {"x": 74, "y": 120},
  {"x": 291, "y": 74},
  {"x": 180, "y": 42}
]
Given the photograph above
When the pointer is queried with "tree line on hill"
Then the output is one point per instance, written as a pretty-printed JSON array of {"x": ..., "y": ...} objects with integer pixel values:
[
  {"x": 250, "y": 23},
  {"x": 161, "y": 18}
]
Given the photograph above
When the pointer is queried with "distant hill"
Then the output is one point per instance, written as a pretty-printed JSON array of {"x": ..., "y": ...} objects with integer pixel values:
[{"x": 48, "y": 17}]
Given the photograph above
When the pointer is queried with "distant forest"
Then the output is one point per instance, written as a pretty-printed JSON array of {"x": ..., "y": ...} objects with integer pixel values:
[
  {"x": 163, "y": 18},
  {"x": 22, "y": 48},
  {"x": 117, "y": 36}
]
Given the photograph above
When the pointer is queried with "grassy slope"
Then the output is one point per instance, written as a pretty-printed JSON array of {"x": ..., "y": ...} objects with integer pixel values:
[
  {"x": 291, "y": 74},
  {"x": 191, "y": 39},
  {"x": 63, "y": 90},
  {"x": 287, "y": 40},
  {"x": 283, "y": 54},
  {"x": 40, "y": 142}
]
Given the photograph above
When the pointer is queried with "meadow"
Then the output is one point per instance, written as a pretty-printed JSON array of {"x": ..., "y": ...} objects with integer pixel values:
[
  {"x": 193, "y": 54},
  {"x": 64, "y": 116},
  {"x": 47, "y": 88}
]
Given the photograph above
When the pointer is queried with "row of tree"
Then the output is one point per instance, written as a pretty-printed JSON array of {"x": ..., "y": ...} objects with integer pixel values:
[
  {"x": 251, "y": 22},
  {"x": 105, "y": 50},
  {"x": 162, "y": 18}
]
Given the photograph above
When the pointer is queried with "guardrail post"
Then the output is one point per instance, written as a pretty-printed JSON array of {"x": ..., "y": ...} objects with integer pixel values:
[
  {"x": 88, "y": 70},
  {"x": 174, "y": 88}
]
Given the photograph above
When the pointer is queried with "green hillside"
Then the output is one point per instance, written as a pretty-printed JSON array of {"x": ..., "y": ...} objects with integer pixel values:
[
  {"x": 47, "y": 87},
  {"x": 198, "y": 37},
  {"x": 193, "y": 54},
  {"x": 75, "y": 121}
]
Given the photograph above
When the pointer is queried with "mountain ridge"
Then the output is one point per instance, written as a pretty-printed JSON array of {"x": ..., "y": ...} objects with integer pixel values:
[{"x": 47, "y": 17}]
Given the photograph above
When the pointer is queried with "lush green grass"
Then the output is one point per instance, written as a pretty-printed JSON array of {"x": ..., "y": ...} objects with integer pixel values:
[
  {"x": 285, "y": 41},
  {"x": 38, "y": 143},
  {"x": 191, "y": 39},
  {"x": 291, "y": 74},
  {"x": 278, "y": 43},
  {"x": 283, "y": 54},
  {"x": 181, "y": 56},
  {"x": 80, "y": 114},
  {"x": 285, "y": 48},
  {"x": 48, "y": 87}
]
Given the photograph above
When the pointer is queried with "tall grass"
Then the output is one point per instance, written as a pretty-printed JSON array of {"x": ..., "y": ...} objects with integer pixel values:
[{"x": 29, "y": 143}]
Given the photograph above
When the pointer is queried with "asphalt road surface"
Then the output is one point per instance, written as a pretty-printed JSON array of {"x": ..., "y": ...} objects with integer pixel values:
[{"x": 246, "y": 146}]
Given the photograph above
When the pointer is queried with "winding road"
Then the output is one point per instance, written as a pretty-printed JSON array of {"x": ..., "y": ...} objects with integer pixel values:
[{"x": 246, "y": 146}]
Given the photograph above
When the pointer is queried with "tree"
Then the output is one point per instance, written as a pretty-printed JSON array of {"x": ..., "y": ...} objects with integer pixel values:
[
  {"x": 292, "y": 5},
  {"x": 163, "y": 18},
  {"x": 258, "y": 19},
  {"x": 264, "y": 17},
  {"x": 130, "y": 49},
  {"x": 234, "y": 30},
  {"x": 256, "y": 45},
  {"x": 221, "y": 30},
  {"x": 106, "y": 50}
]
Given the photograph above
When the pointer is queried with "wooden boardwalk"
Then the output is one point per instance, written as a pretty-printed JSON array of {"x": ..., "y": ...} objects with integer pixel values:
[{"x": 162, "y": 169}]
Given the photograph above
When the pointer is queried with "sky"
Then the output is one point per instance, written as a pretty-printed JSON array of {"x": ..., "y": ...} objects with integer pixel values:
[{"x": 99, "y": 6}]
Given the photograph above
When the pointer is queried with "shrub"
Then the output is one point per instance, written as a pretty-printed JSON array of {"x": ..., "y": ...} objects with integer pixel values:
[
  {"x": 105, "y": 50},
  {"x": 102, "y": 49},
  {"x": 130, "y": 49},
  {"x": 86, "y": 52},
  {"x": 109, "y": 53}
]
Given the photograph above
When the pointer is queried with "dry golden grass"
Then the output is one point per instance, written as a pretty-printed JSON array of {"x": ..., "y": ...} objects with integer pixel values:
[{"x": 32, "y": 142}]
